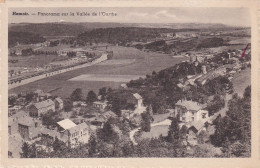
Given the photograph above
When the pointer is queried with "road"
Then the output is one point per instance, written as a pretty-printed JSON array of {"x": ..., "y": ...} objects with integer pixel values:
[{"x": 132, "y": 133}]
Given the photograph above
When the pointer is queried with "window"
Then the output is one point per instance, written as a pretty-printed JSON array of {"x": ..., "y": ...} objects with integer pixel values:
[
  {"x": 204, "y": 115},
  {"x": 192, "y": 113}
]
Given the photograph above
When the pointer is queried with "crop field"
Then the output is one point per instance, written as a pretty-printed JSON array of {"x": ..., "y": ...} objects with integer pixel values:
[{"x": 145, "y": 63}]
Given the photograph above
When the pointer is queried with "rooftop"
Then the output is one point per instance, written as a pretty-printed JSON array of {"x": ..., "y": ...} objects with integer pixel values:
[
  {"x": 66, "y": 124},
  {"x": 44, "y": 104},
  {"x": 190, "y": 105},
  {"x": 137, "y": 96},
  {"x": 78, "y": 127},
  {"x": 59, "y": 100},
  {"x": 27, "y": 121}
]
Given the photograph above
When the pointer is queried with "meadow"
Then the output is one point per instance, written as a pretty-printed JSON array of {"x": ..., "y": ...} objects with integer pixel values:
[{"x": 144, "y": 63}]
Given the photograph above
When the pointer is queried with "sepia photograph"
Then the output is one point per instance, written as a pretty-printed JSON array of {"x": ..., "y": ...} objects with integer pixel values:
[{"x": 121, "y": 82}]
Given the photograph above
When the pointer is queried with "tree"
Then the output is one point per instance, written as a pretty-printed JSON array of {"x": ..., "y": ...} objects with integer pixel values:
[
  {"x": 29, "y": 97},
  {"x": 25, "y": 150},
  {"x": 103, "y": 92},
  {"x": 146, "y": 122},
  {"x": 107, "y": 133},
  {"x": 202, "y": 137},
  {"x": 91, "y": 97},
  {"x": 56, "y": 144},
  {"x": 174, "y": 131},
  {"x": 92, "y": 145},
  {"x": 76, "y": 95},
  {"x": 116, "y": 106},
  {"x": 67, "y": 105}
]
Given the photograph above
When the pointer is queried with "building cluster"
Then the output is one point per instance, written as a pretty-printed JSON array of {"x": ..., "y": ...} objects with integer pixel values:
[
  {"x": 27, "y": 125},
  {"x": 210, "y": 69}
]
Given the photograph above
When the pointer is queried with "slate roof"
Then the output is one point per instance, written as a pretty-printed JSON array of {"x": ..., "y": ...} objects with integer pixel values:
[
  {"x": 190, "y": 105},
  {"x": 44, "y": 104}
]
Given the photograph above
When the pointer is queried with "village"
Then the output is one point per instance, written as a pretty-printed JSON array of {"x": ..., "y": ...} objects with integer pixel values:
[{"x": 40, "y": 118}]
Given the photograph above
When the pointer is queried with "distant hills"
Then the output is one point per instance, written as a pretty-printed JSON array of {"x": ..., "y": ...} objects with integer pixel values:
[{"x": 73, "y": 29}]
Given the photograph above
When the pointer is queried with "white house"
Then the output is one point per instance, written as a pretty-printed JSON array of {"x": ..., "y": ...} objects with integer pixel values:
[
  {"x": 190, "y": 111},
  {"x": 74, "y": 134}
]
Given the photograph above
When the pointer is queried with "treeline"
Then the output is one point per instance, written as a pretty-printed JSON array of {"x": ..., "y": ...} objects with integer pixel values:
[
  {"x": 23, "y": 38},
  {"x": 121, "y": 35},
  {"x": 233, "y": 132},
  {"x": 211, "y": 42},
  {"x": 181, "y": 45}
]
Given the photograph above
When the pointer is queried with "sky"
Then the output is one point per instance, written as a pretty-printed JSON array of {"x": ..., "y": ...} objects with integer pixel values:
[{"x": 227, "y": 16}]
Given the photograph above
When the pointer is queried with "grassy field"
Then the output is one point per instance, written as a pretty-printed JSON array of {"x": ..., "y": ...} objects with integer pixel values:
[
  {"x": 145, "y": 63},
  {"x": 241, "y": 80},
  {"x": 155, "y": 132},
  {"x": 160, "y": 117}
]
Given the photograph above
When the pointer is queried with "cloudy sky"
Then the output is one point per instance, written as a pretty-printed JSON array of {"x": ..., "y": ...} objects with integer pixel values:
[{"x": 228, "y": 16}]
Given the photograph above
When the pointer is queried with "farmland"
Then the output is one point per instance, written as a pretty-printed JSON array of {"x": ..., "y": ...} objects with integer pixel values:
[{"x": 144, "y": 63}]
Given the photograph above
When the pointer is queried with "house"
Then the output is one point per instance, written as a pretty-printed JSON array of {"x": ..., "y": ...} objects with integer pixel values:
[
  {"x": 102, "y": 118},
  {"x": 123, "y": 85},
  {"x": 79, "y": 134},
  {"x": 13, "y": 121},
  {"x": 190, "y": 111},
  {"x": 137, "y": 101},
  {"x": 40, "y": 95},
  {"x": 101, "y": 105},
  {"x": 29, "y": 128},
  {"x": 12, "y": 110},
  {"x": 79, "y": 103},
  {"x": 75, "y": 134},
  {"x": 58, "y": 104},
  {"x": 65, "y": 124},
  {"x": 40, "y": 108}
]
